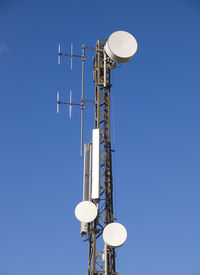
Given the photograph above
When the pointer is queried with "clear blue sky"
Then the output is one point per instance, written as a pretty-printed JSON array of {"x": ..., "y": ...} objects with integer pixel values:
[{"x": 156, "y": 135}]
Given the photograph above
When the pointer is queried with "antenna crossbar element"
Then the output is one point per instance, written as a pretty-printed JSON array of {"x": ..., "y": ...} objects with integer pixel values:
[
  {"x": 89, "y": 48},
  {"x": 86, "y": 100},
  {"x": 70, "y": 55},
  {"x": 76, "y": 104},
  {"x": 68, "y": 103}
]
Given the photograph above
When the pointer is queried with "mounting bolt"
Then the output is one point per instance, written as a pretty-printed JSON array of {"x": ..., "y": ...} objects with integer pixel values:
[{"x": 82, "y": 105}]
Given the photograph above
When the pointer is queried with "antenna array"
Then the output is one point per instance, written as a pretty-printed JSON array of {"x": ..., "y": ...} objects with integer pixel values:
[{"x": 83, "y": 101}]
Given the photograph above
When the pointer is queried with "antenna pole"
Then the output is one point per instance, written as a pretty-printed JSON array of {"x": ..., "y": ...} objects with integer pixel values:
[
  {"x": 106, "y": 258},
  {"x": 82, "y": 97}
]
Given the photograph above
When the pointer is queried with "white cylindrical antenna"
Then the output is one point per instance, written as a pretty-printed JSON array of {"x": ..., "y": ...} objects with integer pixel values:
[
  {"x": 71, "y": 55},
  {"x": 90, "y": 173},
  {"x": 58, "y": 54},
  {"x": 57, "y": 102},
  {"x": 105, "y": 70},
  {"x": 95, "y": 163},
  {"x": 70, "y": 105}
]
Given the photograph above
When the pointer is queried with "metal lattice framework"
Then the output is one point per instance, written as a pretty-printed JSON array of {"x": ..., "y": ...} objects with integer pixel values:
[{"x": 102, "y": 258}]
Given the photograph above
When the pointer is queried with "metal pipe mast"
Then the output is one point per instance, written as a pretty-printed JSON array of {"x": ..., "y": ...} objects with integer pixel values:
[{"x": 101, "y": 259}]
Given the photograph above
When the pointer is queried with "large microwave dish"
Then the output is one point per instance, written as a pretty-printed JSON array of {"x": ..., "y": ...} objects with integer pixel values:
[
  {"x": 121, "y": 46},
  {"x": 114, "y": 234}
]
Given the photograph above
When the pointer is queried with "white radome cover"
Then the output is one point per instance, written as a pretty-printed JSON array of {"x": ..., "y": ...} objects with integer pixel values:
[
  {"x": 121, "y": 46},
  {"x": 114, "y": 234},
  {"x": 86, "y": 211}
]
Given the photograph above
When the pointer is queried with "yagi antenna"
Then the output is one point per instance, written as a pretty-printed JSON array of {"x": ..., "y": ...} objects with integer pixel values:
[
  {"x": 70, "y": 103},
  {"x": 83, "y": 101},
  {"x": 71, "y": 55}
]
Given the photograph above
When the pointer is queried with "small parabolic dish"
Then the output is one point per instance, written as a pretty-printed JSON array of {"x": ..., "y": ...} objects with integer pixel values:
[
  {"x": 114, "y": 234},
  {"x": 121, "y": 46},
  {"x": 86, "y": 211}
]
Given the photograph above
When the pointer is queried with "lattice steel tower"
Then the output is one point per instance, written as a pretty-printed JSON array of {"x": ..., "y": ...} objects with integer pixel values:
[
  {"x": 100, "y": 260},
  {"x": 96, "y": 210}
]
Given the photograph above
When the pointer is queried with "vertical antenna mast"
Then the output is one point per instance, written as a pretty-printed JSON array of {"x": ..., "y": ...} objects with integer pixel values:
[{"x": 82, "y": 96}]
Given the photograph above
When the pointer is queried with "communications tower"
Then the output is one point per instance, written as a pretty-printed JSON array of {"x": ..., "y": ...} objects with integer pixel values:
[{"x": 95, "y": 212}]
